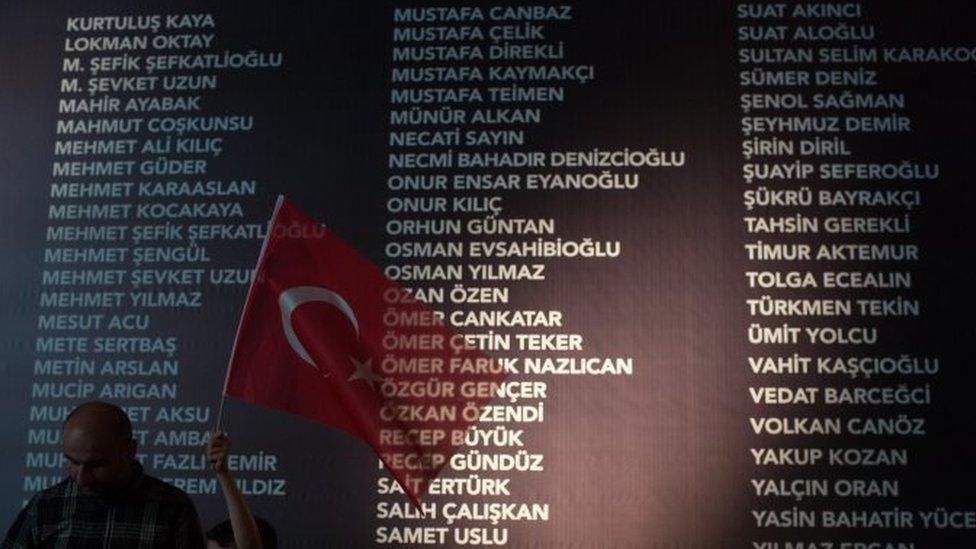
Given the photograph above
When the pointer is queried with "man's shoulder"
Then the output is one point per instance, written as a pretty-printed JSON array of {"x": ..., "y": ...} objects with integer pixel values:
[
  {"x": 158, "y": 490},
  {"x": 54, "y": 492},
  {"x": 150, "y": 488},
  {"x": 48, "y": 504}
]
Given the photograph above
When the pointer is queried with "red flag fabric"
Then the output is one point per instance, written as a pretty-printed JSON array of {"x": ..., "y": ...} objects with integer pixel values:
[{"x": 326, "y": 335}]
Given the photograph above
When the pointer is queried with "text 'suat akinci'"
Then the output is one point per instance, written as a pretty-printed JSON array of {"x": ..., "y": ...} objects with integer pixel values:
[{"x": 326, "y": 335}]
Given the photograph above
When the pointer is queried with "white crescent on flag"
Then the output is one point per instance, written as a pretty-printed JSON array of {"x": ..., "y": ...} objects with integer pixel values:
[{"x": 292, "y": 298}]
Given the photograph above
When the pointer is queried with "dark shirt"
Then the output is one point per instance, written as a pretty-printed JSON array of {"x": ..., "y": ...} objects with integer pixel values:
[{"x": 148, "y": 513}]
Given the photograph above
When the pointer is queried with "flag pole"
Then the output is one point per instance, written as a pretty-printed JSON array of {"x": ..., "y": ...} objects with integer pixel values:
[{"x": 247, "y": 301}]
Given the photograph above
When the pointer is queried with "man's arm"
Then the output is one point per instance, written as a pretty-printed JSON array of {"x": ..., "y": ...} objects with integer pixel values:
[
  {"x": 246, "y": 534},
  {"x": 21, "y": 532},
  {"x": 188, "y": 535}
]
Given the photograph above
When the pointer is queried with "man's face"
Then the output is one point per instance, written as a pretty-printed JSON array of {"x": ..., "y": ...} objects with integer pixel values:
[{"x": 97, "y": 462}]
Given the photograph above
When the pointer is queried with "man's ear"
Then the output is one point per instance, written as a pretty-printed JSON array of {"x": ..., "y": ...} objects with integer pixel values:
[{"x": 130, "y": 448}]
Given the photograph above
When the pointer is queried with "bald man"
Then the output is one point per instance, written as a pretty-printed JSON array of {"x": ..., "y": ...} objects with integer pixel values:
[{"x": 106, "y": 501}]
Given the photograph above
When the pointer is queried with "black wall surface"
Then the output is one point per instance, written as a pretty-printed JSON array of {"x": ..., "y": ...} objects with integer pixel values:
[{"x": 755, "y": 217}]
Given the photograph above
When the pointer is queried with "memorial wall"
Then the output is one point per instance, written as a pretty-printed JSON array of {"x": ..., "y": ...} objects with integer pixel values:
[{"x": 721, "y": 250}]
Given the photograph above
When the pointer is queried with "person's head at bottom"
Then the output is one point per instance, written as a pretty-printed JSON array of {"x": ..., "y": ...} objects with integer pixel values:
[
  {"x": 98, "y": 444},
  {"x": 222, "y": 536}
]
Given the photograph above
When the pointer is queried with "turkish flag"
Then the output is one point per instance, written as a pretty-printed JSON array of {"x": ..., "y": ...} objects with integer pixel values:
[{"x": 326, "y": 335}]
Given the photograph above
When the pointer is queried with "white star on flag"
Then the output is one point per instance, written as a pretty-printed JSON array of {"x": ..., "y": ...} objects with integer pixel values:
[{"x": 364, "y": 371}]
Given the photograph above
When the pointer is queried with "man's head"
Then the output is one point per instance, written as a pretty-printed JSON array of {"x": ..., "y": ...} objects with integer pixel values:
[{"x": 98, "y": 444}]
